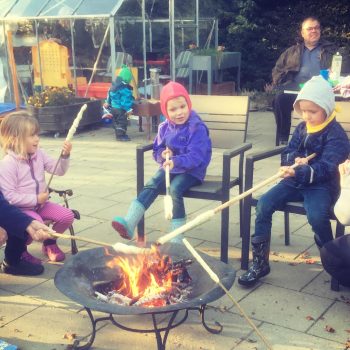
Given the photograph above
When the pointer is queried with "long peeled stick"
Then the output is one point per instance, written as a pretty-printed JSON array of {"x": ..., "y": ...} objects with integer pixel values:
[
  {"x": 206, "y": 216},
  {"x": 69, "y": 136},
  {"x": 216, "y": 279},
  {"x": 168, "y": 201},
  {"x": 118, "y": 247}
]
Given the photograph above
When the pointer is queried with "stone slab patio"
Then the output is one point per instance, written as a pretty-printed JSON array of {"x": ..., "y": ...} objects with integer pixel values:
[{"x": 291, "y": 307}]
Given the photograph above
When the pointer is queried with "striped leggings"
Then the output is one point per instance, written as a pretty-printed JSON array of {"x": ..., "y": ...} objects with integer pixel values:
[{"x": 61, "y": 217}]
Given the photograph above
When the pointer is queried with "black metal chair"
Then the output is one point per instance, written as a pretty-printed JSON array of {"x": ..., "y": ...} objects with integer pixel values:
[
  {"x": 289, "y": 208},
  {"x": 64, "y": 194}
]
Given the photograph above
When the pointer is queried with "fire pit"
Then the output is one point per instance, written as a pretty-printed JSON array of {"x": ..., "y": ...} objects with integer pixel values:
[{"x": 78, "y": 278}]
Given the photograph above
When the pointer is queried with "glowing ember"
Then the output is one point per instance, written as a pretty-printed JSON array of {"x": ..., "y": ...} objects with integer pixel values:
[{"x": 146, "y": 280}]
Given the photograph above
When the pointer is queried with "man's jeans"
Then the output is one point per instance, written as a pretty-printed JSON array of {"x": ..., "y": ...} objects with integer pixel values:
[
  {"x": 179, "y": 184},
  {"x": 282, "y": 109},
  {"x": 317, "y": 204}
]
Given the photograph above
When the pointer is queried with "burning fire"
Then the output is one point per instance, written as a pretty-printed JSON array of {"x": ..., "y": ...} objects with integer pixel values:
[
  {"x": 148, "y": 280},
  {"x": 143, "y": 276}
]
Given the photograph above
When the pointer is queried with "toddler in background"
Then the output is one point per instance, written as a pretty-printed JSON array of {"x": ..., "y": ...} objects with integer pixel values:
[{"x": 120, "y": 101}]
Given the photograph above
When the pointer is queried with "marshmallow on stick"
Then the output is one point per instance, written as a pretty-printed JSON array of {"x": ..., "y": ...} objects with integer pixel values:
[{"x": 69, "y": 136}]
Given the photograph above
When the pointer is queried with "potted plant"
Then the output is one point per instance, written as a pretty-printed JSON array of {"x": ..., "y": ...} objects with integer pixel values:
[{"x": 56, "y": 107}]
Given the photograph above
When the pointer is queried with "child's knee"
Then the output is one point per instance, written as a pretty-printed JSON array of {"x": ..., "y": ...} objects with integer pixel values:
[{"x": 264, "y": 207}]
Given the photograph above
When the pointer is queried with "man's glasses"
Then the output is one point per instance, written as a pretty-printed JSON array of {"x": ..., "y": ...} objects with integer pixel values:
[{"x": 316, "y": 28}]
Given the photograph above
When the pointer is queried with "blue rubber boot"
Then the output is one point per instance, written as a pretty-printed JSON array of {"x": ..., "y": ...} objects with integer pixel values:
[
  {"x": 126, "y": 225},
  {"x": 176, "y": 223}
]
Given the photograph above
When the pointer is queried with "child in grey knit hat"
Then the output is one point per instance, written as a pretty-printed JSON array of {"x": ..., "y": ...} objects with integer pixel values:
[{"x": 314, "y": 182}]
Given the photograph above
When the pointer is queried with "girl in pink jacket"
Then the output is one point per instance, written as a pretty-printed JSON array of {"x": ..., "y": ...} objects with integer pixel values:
[{"x": 22, "y": 178}]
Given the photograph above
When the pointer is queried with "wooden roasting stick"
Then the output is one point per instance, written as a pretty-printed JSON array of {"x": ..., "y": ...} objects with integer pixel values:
[
  {"x": 168, "y": 201},
  {"x": 118, "y": 247},
  {"x": 216, "y": 279},
  {"x": 206, "y": 216},
  {"x": 128, "y": 249},
  {"x": 70, "y": 135}
]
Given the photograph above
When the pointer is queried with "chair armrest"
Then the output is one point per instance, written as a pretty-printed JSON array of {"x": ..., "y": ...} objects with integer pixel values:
[
  {"x": 237, "y": 150},
  {"x": 144, "y": 148},
  {"x": 61, "y": 193},
  {"x": 266, "y": 154},
  {"x": 226, "y": 164},
  {"x": 140, "y": 165},
  {"x": 254, "y": 157}
]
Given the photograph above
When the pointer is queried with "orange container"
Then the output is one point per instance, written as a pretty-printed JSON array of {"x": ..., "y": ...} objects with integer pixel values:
[{"x": 97, "y": 90}]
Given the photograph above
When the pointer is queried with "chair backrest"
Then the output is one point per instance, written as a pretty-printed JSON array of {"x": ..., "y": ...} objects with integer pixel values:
[
  {"x": 226, "y": 117},
  {"x": 343, "y": 117},
  {"x": 120, "y": 59},
  {"x": 53, "y": 64},
  {"x": 182, "y": 64}
]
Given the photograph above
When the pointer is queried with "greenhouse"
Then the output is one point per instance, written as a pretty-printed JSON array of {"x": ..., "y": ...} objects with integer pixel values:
[{"x": 99, "y": 36}]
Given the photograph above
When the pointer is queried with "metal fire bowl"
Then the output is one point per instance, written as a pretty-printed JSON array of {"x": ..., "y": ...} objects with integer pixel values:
[{"x": 75, "y": 280}]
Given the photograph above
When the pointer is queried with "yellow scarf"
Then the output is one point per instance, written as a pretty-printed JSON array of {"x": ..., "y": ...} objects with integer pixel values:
[{"x": 312, "y": 129}]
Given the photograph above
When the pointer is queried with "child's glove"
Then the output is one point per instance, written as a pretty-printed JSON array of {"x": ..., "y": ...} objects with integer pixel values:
[{"x": 107, "y": 115}]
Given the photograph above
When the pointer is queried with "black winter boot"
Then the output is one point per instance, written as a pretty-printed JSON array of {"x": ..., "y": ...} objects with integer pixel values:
[{"x": 260, "y": 266}]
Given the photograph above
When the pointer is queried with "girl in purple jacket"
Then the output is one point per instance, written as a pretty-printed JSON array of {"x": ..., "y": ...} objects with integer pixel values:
[
  {"x": 186, "y": 138},
  {"x": 22, "y": 178}
]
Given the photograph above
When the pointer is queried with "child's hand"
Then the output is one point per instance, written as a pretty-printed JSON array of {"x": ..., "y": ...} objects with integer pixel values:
[
  {"x": 67, "y": 147},
  {"x": 301, "y": 161},
  {"x": 168, "y": 162},
  {"x": 169, "y": 151},
  {"x": 3, "y": 236},
  {"x": 106, "y": 105},
  {"x": 286, "y": 171},
  {"x": 43, "y": 197}
]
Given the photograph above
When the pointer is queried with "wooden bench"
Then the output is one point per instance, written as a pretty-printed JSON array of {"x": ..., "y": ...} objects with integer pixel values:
[
  {"x": 343, "y": 117},
  {"x": 227, "y": 120}
]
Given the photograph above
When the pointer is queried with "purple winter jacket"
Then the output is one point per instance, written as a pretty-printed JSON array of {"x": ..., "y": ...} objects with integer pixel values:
[
  {"x": 190, "y": 144},
  {"x": 21, "y": 180}
]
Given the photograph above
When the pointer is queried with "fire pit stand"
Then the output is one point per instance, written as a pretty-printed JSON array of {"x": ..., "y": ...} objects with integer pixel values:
[
  {"x": 76, "y": 279},
  {"x": 161, "y": 341}
]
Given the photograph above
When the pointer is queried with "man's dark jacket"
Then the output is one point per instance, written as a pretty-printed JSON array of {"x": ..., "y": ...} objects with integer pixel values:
[{"x": 288, "y": 64}]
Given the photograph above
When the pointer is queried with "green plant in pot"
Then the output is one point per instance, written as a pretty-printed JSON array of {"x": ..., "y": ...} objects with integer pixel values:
[
  {"x": 52, "y": 96},
  {"x": 56, "y": 107}
]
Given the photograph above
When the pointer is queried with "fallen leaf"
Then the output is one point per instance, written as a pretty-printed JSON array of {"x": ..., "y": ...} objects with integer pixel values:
[
  {"x": 310, "y": 261},
  {"x": 69, "y": 336},
  {"x": 329, "y": 329},
  {"x": 275, "y": 253},
  {"x": 293, "y": 263},
  {"x": 309, "y": 318}
]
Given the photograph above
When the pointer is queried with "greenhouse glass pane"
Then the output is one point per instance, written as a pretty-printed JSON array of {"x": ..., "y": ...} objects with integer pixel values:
[
  {"x": 59, "y": 8},
  {"x": 26, "y": 8},
  {"x": 5, "y": 6},
  {"x": 101, "y": 7}
]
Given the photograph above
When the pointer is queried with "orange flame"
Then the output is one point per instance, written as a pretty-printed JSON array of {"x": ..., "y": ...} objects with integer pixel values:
[{"x": 144, "y": 276}]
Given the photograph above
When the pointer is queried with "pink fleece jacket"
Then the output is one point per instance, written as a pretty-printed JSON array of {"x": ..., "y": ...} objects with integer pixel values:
[{"x": 21, "y": 180}]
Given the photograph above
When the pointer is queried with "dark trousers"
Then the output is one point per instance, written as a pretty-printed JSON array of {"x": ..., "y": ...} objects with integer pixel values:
[
  {"x": 282, "y": 108},
  {"x": 120, "y": 121},
  {"x": 335, "y": 257},
  {"x": 14, "y": 248},
  {"x": 317, "y": 204}
]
